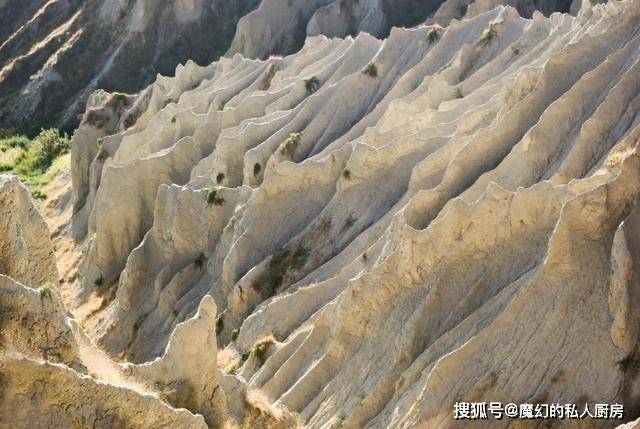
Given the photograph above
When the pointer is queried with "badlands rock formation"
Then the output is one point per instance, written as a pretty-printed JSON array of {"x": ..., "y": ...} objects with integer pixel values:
[
  {"x": 54, "y": 54},
  {"x": 385, "y": 227}
]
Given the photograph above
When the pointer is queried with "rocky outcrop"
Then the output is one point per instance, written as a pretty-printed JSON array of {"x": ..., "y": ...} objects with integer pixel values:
[
  {"x": 386, "y": 227},
  {"x": 280, "y": 26},
  {"x": 53, "y": 375},
  {"x": 26, "y": 252}
]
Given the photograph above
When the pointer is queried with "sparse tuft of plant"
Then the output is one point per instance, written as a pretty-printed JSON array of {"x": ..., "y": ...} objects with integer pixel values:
[
  {"x": 99, "y": 281},
  {"x": 47, "y": 289},
  {"x": 371, "y": 70},
  {"x": 256, "y": 169},
  {"x": 346, "y": 174},
  {"x": 487, "y": 35},
  {"x": 213, "y": 198},
  {"x": 312, "y": 84},
  {"x": 515, "y": 49},
  {"x": 433, "y": 35},
  {"x": 219, "y": 178},
  {"x": 259, "y": 350},
  {"x": 458, "y": 93},
  {"x": 200, "y": 260},
  {"x": 339, "y": 422},
  {"x": 234, "y": 334},
  {"x": 38, "y": 155},
  {"x": 282, "y": 262},
  {"x": 173, "y": 120},
  {"x": 219, "y": 323},
  {"x": 349, "y": 222},
  {"x": 290, "y": 145},
  {"x": 630, "y": 364}
]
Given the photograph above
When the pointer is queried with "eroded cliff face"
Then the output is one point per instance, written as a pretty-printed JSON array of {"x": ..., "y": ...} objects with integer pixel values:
[
  {"x": 55, "y": 53},
  {"x": 385, "y": 227}
]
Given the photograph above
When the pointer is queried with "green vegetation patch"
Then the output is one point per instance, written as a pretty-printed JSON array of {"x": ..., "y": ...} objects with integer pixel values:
[
  {"x": 35, "y": 161},
  {"x": 371, "y": 70},
  {"x": 312, "y": 84},
  {"x": 282, "y": 262}
]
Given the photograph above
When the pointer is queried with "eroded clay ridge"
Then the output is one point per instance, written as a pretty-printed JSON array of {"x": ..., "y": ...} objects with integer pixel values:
[
  {"x": 55, "y": 53},
  {"x": 386, "y": 227}
]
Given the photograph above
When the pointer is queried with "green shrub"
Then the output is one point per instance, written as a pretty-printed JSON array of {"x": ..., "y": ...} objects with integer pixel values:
[
  {"x": 346, "y": 174},
  {"x": 234, "y": 334},
  {"x": 282, "y": 262},
  {"x": 371, "y": 70},
  {"x": 432, "y": 35},
  {"x": 20, "y": 142},
  {"x": 41, "y": 152},
  {"x": 200, "y": 260},
  {"x": 212, "y": 197},
  {"x": 39, "y": 194},
  {"x": 256, "y": 169},
  {"x": 47, "y": 289},
  {"x": 219, "y": 323},
  {"x": 99, "y": 281},
  {"x": 259, "y": 350},
  {"x": 348, "y": 223},
  {"x": 312, "y": 84},
  {"x": 487, "y": 35}
]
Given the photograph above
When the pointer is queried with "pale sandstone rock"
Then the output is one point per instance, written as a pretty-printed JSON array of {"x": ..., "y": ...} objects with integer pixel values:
[
  {"x": 26, "y": 252},
  {"x": 459, "y": 224}
]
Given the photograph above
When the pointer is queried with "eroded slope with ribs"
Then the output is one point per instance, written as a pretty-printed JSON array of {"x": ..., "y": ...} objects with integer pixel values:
[{"x": 386, "y": 227}]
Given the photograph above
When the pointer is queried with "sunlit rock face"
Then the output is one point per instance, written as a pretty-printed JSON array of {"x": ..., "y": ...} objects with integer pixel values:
[{"x": 447, "y": 214}]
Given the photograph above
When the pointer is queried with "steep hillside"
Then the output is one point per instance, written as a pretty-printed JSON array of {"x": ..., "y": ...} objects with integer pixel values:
[
  {"x": 54, "y": 53},
  {"x": 376, "y": 228}
]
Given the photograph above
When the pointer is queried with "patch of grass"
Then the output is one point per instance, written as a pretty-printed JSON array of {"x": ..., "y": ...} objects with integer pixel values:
[
  {"x": 46, "y": 290},
  {"x": 312, "y": 84},
  {"x": 346, "y": 174},
  {"x": 259, "y": 350},
  {"x": 20, "y": 142},
  {"x": 219, "y": 178},
  {"x": 432, "y": 35},
  {"x": 35, "y": 161},
  {"x": 256, "y": 169},
  {"x": 487, "y": 35},
  {"x": 199, "y": 262},
  {"x": 290, "y": 145},
  {"x": 371, "y": 70},
  {"x": 173, "y": 120},
  {"x": 213, "y": 198}
]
